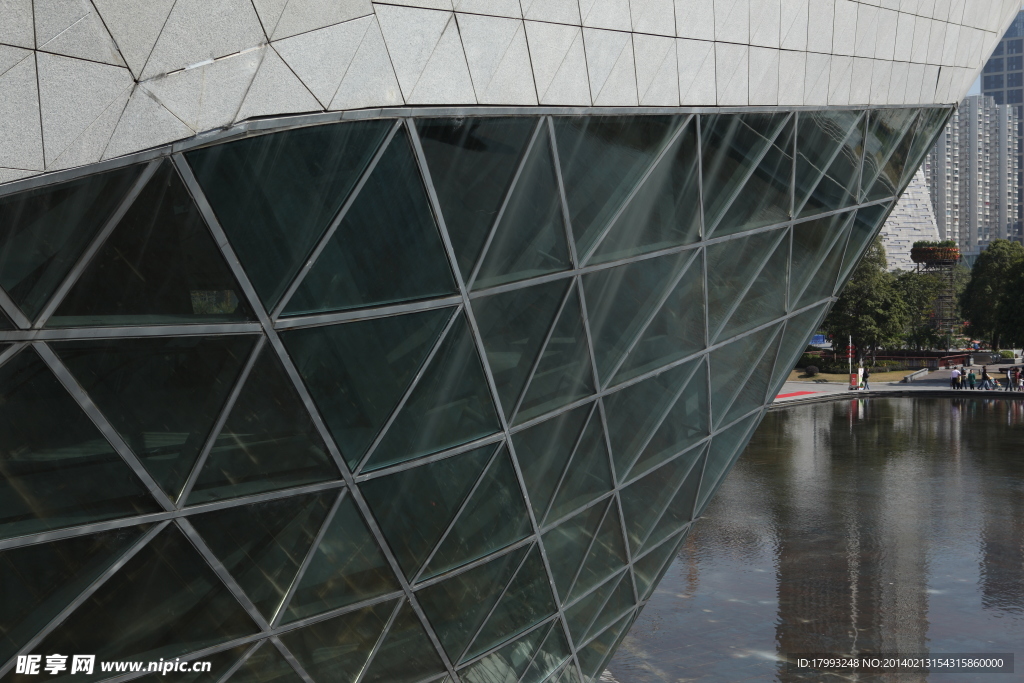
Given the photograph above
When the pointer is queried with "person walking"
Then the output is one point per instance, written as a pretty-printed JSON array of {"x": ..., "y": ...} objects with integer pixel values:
[
  {"x": 1009, "y": 380},
  {"x": 954, "y": 379},
  {"x": 986, "y": 381},
  {"x": 971, "y": 379},
  {"x": 867, "y": 376}
]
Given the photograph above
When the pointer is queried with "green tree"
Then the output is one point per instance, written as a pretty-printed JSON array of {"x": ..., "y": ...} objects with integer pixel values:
[
  {"x": 919, "y": 292},
  {"x": 988, "y": 299},
  {"x": 1011, "y": 313},
  {"x": 870, "y": 308}
]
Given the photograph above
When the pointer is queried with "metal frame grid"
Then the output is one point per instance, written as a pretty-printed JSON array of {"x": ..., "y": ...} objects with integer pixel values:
[{"x": 270, "y": 323}]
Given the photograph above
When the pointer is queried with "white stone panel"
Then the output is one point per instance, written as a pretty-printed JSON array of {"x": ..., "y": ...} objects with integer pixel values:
[
  {"x": 922, "y": 36},
  {"x": 904, "y": 40},
  {"x": 16, "y": 27},
  {"x": 144, "y": 123},
  {"x": 885, "y": 34},
  {"x": 732, "y": 22},
  {"x": 609, "y": 14},
  {"x": 839, "y": 80},
  {"x": 90, "y": 145},
  {"x": 898, "y": 83},
  {"x": 135, "y": 27},
  {"x": 956, "y": 12},
  {"x": 653, "y": 16},
  {"x": 936, "y": 41},
  {"x": 765, "y": 22},
  {"x": 8, "y": 175},
  {"x": 21, "y": 137},
  {"x": 819, "y": 26},
  {"x": 844, "y": 28},
  {"x": 965, "y": 45},
  {"x": 610, "y": 67},
  {"x": 559, "y": 63},
  {"x": 915, "y": 83},
  {"x": 931, "y": 77},
  {"x": 860, "y": 83},
  {"x": 791, "y": 77},
  {"x": 370, "y": 79},
  {"x": 72, "y": 94},
  {"x": 880, "y": 74},
  {"x": 423, "y": 4},
  {"x": 300, "y": 16},
  {"x": 793, "y": 24},
  {"x": 867, "y": 28},
  {"x": 656, "y": 73},
  {"x": 949, "y": 47},
  {"x": 816, "y": 79},
  {"x": 557, "y": 11},
  {"x": 9, "y": 56},
  {"x": 941, "y": 10},
  {"x": 198, "y": 30},
  {"x": 696, "y": 72},
  {"x": 499, "y": 59},
  {"x": 494, "y": 8},
  {"x": 72, "y": 28},
  {"x": 275, "y": 90},
  {"x": 695, "y": 19},
  {"x": 764, "y": 76},
  {"x": 269, "y": 12},
  {"x": 731, "y": 74},
  {"x": 321, "y": 58}
]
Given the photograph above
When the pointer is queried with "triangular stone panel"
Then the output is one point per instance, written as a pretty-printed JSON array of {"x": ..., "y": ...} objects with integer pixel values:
[{"x": 134, "y": 27}]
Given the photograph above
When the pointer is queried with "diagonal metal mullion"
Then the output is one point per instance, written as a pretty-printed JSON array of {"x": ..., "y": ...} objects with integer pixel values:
[
  {"x": 546, "y": 621},
  {"x": 86, "y": 258},
  {"x": 13, "y": 312},
  {"x": 375, "y": 313},
  {"x": 85, "y": 402},
  {"x": 617, "y": 488},
  {"x": 222, "y": 419},
  {"x": 307, "y": 560},
  {"x": 385, "y": 632},
  {"x": 648, "y": 172},
  {"x": 504, "y": 205},
  {"x": 564, "y": 199},
  {"x": 276, "y": 312},
  {"x": 434, "y": 457},
  {"x": 552, "y": 624},
  {"x": 826, "y": 166},
  {"x": 700, "y": 443},
  {"x": 283, "y": 650},
  {"x": 84, "y": 595},
  {"x": 458, "y": 513},
  {"x": 241, "y": 660},
  {"x": 540, "y": 353},
  {"x": 672, "y": 498},
  {"x": 889, "y": 154},
  {"x": 420, "y": 374},
  {"x": 11, "y": 352},
  {"x": 746, "y": 176},
  {"x": 604, "y": 603},
  {"x": 568, "y": 462},
  {"x": 746, "y": 377},
  {"x": 494, "y": 607},
  {"x": 656, "y": 309},
  {"x": 594, "y": 636},
  {"x": 586, "y": 555},
  {"x": 840, "y": 233}
]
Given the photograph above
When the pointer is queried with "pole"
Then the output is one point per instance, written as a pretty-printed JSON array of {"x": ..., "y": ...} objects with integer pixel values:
[{"x": 849, "y": 353}]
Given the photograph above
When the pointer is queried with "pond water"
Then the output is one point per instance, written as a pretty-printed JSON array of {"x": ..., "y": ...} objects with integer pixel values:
[{"x": 880, "y": 525}]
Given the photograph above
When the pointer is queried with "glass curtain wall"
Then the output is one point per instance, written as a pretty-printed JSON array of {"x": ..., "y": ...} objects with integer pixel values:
[{"x": 404, "y": 400}]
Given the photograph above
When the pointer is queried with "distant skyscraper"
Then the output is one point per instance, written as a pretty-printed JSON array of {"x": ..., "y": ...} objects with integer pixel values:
[
  {"x": 911, "y": 220},
  {"x": 1003, "y": 80}
]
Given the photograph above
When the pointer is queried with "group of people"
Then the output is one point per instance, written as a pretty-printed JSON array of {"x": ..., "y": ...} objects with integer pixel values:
[{"x": 964, "y": 378}]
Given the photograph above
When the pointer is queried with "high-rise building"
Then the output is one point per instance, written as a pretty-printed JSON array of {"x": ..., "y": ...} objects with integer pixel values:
[
  {"x": 972, "y": 174},
  {"x": 401, "y": 342},
  {"x": 911, "y": 220}
]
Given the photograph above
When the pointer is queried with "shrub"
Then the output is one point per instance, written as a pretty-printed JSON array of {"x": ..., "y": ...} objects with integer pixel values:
[
  {"x": 808, "y": 359},
  {"x": 811, "y": 371},
  {"x": 1006, "y": 354}
]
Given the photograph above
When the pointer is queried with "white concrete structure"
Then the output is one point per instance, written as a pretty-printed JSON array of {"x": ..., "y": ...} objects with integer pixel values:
[
  {"x": 911, "y": 220},
  {"x": 88, "y": 80}
]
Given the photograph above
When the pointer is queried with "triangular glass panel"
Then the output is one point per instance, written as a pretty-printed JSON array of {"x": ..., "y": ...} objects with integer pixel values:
[
  {"x": 44, "y": 232},
  {"x": 219, "y": 663},
  {"x": 529, "y": 239},
  {"x": 337, "y": 649},
  {"x": 733, "y": 267},
  {"x": 543, "y": 451},
  {"x": 665, "y": 211},
  {"x": 730, "y": 367},
  {"x": 527, "y": 601},
  {"x": 553, "y": 651},
  {"x": 387, "y": 248},
  {"x": 581, "y": 614},
  {"x": 649, "y": 569},
  {"x": 58, "y": 469},
  {"x": 603, "y": 158},
  {"x": 927, "y": 126},
  {"x": 513, "y": 326},
  {"x": 159, "y": 266},
  {"x": 269, "y": 441},
  {"x": 507, "y": 664},
  {"x": 40, "y": 580},
  {"x": 414, "y": 507},
  {"x": 765, "y": 299},
  {"x": 472, "y": 162},
  {"x": 564, "y": 373},
  {"x": 636, "y": 411},
  {"x": 645, "y": 500},
  {"x": 458, "y": 606},
  {"x": 566, "y": 675},
  {"x": 594, "y": 657},
  {"x": 865, "y": 227},
  {"x": 680, "y": 511},
  {"x": 829, "y": 146},
  {"x": 5, "y": 322},
  {"x": 263, "y": 545},
  {"x": 265, "y": 665},
  {"x": 741, "y": 152},
  {"x": 493, "y": 518},
  {"x": 724, "y": 450},
  {"x": 567, "y": 544},
  {"x": 164, "y": 602},
  {"x": 621, "y": 600},
  {"x": 621, "y": 300},
  {"x": 587, "y": 475},
  {"x": 685, "y": 424},
  {"x": 162, "y": 395},
  {"x": 357, "y": 372},
  {"x": 450, "y": 405},
  {"x": 606, "y": 556},
  {"x": 275, "y": 195},
  {"x": 406, "y": 655},
  {"x": 753, "y": 394},
  {"x": 818, "y": 247},
  {"x": 886, "y": 148},
  {"x": 676, "y": 331},
  {"x": 347, "y": 567},
  {"x": 799, "y": 330}
]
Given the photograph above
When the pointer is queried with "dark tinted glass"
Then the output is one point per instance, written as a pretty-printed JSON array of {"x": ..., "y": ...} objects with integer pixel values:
[
  {"x": 275, "y": 195},
  {"x": 680, "y": 511},
  {"x": 646, "y": 500},
  {"x": 606, "y": 555},
  {"x": 725, "y": 448},
  {"x": 268, "y": 442},
  {"x": 587, "y": 475},
  {"x": 567, "y": 546},
  {"x": 162, "y": 395},
  {"x": 829, "y": 147},
  {"x": 552, "y": 652},
  {"x": 220, "y": 662},
  {"x": 753, "y": 392},
  {"x": 865, "y": 227},
  {"x": 266, "y": 665},
  {"x": 685, "y": 424},
  {"x": 387, "y": 247},
  {"x": 472, "y": 162},
  {"x": 406, "y": 655},
  {"x": 647, "y": 570},
  {"x": 544, "y": 451},
  {"x": 581, "y": 615},
  {"x": 38, "y": 581},
  {"x": 263, "y": 545},
  {"x": 357, "y": 372},
  {"x": 160, "y": 265},
  {"x": 733, "y": 268},
  {"x": 731, "y": 365},
  {"x": 163, "y": 603},
  {"x": 5, "y": 322},
  {"x": 43, "y": 232},
  {"x": 596, "y": 654},
  {"x": 799, "y": 331},
  {"x": 765, "y": 298},
  {"x": 818, "y": 245},
  {"x": 337, "y": 649},
  {"x": 529, "y": 239},
  {"x": 886, "y": 148},
  {"x": 508, "y": 663},
  {"x": 58, "y": 469},
  {"x": 927, "y": 126},
  {"x": 603, "y": 159}
]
